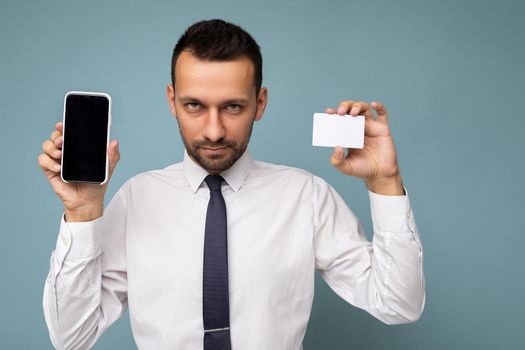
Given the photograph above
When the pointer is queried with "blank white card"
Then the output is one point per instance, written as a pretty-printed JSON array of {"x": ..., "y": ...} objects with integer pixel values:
[{"x": 332, "y": 130}]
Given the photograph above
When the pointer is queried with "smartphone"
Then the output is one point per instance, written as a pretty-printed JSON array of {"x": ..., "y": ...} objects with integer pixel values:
[{"x": 87, "y": 122}]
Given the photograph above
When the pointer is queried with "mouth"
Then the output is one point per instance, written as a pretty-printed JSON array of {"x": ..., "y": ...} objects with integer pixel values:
[{"x": 214, "y": 150}]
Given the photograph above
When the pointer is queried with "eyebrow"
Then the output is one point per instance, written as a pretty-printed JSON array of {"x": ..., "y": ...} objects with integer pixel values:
[{"x": 239, "y": 100}]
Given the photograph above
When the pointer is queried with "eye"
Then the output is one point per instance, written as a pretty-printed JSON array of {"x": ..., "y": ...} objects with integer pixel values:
[
  {"x": 233, "y": 108},
  {"x": 192, "y": 106}
]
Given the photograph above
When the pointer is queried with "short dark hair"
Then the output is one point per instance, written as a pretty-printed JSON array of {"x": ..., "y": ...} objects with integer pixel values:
[{"x": 217, "y": 40}]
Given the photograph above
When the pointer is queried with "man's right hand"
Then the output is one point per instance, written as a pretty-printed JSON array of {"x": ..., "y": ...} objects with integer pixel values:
[{"x": 82, "y": 201}]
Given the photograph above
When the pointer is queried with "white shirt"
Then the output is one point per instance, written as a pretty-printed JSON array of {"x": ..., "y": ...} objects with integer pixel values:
[{"x": 146, "y": 253}]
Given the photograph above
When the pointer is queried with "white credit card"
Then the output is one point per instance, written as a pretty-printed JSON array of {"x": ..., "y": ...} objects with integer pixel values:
[{"x": 332, "y": 130}]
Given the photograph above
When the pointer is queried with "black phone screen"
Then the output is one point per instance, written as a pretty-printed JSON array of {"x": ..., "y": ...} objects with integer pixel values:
[{"x": 85, "y": 138}]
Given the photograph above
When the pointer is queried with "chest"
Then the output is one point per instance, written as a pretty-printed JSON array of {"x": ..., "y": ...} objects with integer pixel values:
[{"x": 270, "y": 236}]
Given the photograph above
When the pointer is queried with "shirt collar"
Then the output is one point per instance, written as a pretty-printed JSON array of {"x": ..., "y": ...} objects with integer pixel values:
[{"x": 234, "y": 176}]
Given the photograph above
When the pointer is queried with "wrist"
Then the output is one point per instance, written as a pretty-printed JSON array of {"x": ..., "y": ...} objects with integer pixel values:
[
  {"x": 83, "y": 214},
  {"x": 387, "y": 186}
]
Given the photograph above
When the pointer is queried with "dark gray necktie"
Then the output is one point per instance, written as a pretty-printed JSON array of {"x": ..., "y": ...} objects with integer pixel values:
[{"x": 215, "y": 296}]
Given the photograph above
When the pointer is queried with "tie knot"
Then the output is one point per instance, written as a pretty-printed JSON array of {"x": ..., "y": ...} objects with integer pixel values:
[{"x": 214, "y": 182}]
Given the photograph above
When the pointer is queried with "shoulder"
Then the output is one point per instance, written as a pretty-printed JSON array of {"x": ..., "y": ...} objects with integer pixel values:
[
  {"x": 267, "y": 171},
  {"x": 262, "y": 169},
  {"x": 171, "y": 175}
]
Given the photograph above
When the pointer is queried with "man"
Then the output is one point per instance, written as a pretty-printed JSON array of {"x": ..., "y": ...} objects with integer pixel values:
[{"x": 160, "y": 247}]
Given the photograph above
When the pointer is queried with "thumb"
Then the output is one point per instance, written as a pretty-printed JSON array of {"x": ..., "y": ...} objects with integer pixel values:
[
  {"x": 114, "y": 155},
  {"x": 338, "y": 157}
]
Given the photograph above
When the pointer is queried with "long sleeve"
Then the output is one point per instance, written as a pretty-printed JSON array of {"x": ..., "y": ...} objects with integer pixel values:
[
  {"x": 86, "y": 288},
  {"x": 384, "y": 277}
]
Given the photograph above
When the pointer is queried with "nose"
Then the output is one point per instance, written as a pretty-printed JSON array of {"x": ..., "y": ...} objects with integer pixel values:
[{"x": 214, "y": 128}]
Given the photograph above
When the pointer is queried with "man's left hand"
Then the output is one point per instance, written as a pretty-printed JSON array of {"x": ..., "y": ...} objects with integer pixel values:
[{"x": 376, "y": 162}]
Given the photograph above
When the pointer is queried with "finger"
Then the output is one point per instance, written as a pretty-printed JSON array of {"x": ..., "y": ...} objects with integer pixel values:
[
  {"x": 382, "y": 113},
  {"x": 338, "y": 156},
  {"x": 50, "y": 149},
  {"x": 56, "y": 137},
  {"x": 340, "y": 162},
  {"x": 330, "y": 111},
  {"x": 59, "y": 126},
  {"x": 58, "y": 142},
  {"x": 362, "y": 108},
  {"x": 48, "y": 164},
  {"x": 344, "y": 107}
]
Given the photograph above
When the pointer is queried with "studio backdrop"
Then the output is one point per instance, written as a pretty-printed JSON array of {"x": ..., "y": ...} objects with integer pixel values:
[{"x": 451, "y": 74}]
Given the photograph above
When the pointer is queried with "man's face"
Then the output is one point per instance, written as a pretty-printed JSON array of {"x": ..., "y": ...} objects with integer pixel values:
[{"x": 215, "y": 105}]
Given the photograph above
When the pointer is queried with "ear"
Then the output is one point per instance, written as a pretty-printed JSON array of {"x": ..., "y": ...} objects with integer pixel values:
[
  {"x": 170, "y": 94},
  {"x": 262, "y": 99}
]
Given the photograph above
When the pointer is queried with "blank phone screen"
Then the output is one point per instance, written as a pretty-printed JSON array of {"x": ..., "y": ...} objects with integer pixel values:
[{"x": 85, "y": 138}]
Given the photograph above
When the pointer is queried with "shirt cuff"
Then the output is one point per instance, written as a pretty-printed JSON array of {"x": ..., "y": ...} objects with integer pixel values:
[
  {"x": 78, "y": 240},
  {"x": 391, "y": 213}
]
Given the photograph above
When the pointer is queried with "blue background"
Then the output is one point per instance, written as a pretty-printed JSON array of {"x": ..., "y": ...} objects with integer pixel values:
[{"x": 450, "y": 72}]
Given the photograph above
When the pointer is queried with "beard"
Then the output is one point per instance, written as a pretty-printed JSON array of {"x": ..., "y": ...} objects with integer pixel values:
[{"x": 216, "y": 163}]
